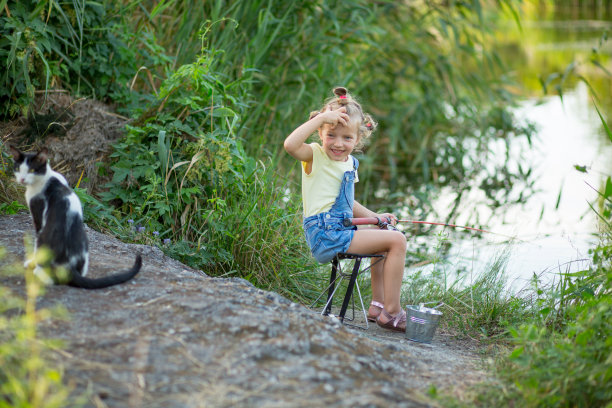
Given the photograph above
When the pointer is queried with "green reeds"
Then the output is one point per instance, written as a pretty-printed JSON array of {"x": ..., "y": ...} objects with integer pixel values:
[
  {"x": 422, "y": 68},
  {"x": 480, "y": 306}
]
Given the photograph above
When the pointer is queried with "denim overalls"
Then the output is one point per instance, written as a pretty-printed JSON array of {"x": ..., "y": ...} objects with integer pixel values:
[{"x": 325, "y": 234}]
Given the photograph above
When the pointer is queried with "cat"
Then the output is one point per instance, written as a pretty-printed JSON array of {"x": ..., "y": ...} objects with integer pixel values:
[{"x": 58, "y": 220}]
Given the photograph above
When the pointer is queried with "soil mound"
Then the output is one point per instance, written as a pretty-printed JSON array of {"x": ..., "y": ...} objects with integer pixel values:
[{"x": 77, "y": 132}]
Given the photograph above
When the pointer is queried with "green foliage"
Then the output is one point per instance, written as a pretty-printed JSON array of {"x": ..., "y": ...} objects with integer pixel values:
[
  {"x": 423, "y": 68},
  {"x": 182, "y": 174},
  {"x": 75, "y": 45},
  {"x": 561, "y": 355},
  {"x": 570, "y": 368},
  {"x": 27, "y": 376},
  {"x": 10, "y": 196},
  {"x": 478, "y": 306},
  {"x": 12, "y": 208}
]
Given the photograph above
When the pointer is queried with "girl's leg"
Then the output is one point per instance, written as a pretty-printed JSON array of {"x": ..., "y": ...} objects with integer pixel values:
[
  {"x": 370, "y": 241},
  {"x": 376, "y": 279}
]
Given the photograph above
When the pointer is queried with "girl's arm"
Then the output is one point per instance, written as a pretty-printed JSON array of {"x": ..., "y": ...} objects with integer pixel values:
[
  {"x": 295, "y": 143},
  {"x": 359, "y": 211}
]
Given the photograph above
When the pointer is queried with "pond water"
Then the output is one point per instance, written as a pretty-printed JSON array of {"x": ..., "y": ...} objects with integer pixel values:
[{"x": 555, "y": 226}]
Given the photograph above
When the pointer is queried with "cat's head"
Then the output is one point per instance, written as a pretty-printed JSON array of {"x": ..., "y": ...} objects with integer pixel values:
[{"x": 29, "y": 167}]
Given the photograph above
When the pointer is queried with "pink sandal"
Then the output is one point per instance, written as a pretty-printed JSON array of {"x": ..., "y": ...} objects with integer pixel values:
[
  {"x": 395, "y": 323},
  {"x": 373, "y": 317}
]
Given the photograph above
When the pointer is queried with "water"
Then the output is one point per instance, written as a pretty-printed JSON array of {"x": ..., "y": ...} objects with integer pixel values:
[{"x": 555, "y": 226}]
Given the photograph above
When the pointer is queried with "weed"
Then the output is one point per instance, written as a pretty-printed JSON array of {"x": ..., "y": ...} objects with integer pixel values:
[{"x": 27, "y": 376}]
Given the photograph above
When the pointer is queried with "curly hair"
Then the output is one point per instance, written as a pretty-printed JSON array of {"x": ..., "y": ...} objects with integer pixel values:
[{"x": 342, "y": 98}]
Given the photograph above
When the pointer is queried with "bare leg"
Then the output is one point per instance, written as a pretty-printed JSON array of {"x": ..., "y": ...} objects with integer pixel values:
[
  {"x": 376, "y": 279},
  {"x": 394, "y": 244}
]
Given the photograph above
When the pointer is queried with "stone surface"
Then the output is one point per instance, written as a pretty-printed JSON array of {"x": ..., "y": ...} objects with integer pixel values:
[{"x": 174, "y": 337}]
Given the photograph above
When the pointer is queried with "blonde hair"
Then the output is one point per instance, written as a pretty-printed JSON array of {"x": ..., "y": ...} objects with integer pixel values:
[{"x": 342, "y": 98}]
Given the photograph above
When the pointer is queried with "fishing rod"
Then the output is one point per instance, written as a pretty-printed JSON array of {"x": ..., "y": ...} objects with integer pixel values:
[{"x": 347, "y": 222}]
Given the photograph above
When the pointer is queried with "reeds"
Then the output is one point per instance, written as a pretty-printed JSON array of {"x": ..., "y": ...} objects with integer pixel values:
[
  {"x": 422, "y": 68},
  {"x": 476, "y": 304}
]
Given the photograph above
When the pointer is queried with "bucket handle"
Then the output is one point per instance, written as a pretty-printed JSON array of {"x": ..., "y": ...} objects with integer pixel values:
[{"x": 428, "y": 303}]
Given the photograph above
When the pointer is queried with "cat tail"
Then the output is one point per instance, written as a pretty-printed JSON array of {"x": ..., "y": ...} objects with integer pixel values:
[{"x": 99, "y": 283}]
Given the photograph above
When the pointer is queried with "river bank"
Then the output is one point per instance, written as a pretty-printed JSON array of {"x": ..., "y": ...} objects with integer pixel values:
[{"x": 174, "y": 337}]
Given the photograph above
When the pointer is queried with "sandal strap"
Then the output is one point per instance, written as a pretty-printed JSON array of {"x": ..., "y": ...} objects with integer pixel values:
[
  {"x": 377, "y": 304},
  {"x": 397, "y": 319}
]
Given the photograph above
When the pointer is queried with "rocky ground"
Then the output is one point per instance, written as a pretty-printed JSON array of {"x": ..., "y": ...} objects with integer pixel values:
[{"x": 174, "y": 337}]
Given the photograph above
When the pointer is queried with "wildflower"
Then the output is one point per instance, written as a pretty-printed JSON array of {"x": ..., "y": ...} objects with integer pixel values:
[
  {"x": 156, "y": 233},
  {"x": 140, "y": 229},
  {"x": 166, "y": 241},
  {"x": 130, "y": 221}
]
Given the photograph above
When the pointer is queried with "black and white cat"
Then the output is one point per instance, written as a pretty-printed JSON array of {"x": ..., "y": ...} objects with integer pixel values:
[{"x": 58, "y": 220}]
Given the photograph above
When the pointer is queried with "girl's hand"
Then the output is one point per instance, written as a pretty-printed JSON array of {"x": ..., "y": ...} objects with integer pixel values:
[
  {"x": 334, "y": 117},
  {"x": 388, "y": 217}
]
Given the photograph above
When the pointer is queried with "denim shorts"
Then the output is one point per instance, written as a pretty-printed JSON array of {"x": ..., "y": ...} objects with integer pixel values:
[{"x": 326, "y": 236}]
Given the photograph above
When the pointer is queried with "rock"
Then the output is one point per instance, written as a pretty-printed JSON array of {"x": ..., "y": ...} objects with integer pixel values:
[{"x": 174, "y": 337}]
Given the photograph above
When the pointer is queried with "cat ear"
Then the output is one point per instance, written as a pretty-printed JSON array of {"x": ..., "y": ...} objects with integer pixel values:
[
  {"x": 42, "y": 155},
  {"x": 17, "y": 155}
]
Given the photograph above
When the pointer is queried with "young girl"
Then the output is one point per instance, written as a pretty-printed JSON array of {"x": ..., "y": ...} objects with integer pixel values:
[{"x": 328, "y": 176}]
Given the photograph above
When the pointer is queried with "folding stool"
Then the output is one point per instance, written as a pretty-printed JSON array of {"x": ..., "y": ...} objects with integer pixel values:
[{"x": 338, "y": 274}]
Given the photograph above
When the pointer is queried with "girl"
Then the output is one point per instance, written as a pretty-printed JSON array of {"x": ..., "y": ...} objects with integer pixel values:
[{"x": 328, "y": 176}]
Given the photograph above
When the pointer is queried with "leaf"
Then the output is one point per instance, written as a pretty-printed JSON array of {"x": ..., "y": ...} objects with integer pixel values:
[
  {"x": 582, "y": 169},
  {"x": 516, "y": 353},
  {"x": 179, "y": 164},
  {"x": 160, "y": 7},
  {"x": 548, "y": 80},
  {"x": 583, "y": 337},
  {"x": 162, "y": 149},
  {"x": 559, "y": 198},
  {"x": 598, "y": 64},
  {"x": 603, "y": 121},
  {"x": 608, "y": 189},
  {"x": 223, "y": 112}
]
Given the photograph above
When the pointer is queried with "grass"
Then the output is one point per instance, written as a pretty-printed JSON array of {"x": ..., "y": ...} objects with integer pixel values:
[
  {"x": 28, "y": 377},
  {"x": 11, "y": 197},
  {"x": 478, "y": 305}
]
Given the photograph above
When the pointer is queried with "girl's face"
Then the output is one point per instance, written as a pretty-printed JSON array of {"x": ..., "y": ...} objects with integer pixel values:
[{"x": 339, "y": 141}]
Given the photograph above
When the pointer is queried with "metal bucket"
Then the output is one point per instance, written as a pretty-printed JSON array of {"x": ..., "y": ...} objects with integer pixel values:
[{"x": 421, "y": 323}]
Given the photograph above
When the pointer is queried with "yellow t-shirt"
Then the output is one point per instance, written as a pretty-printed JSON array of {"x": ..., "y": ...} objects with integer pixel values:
[{"x": 321, "y": 187}]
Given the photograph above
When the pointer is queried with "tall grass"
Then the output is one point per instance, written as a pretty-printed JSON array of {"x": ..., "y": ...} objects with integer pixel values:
[
  {"x": 422, "y": 68},
  {"x": 11, "y": 198},
  {"x": 477, "y": 304},
  {"x": 71, "y": 45}
]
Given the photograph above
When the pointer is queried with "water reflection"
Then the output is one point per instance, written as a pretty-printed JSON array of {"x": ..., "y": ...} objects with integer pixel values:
[{"x": 555, "y": 226}]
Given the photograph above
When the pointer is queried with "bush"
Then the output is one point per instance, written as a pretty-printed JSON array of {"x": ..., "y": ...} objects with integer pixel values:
[
  {"x": 79, "y": 46},
  {"x": 182, "y": 174},
  {"x": 561, "y": 356}
]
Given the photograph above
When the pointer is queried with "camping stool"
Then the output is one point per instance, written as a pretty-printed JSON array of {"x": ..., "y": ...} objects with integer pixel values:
[{"x": 338, "y": 274}]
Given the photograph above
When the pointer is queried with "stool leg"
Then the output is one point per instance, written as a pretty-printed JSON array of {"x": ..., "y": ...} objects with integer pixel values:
[
  {"x": 349, "y": 289},
  {"x": 332, "y": 284}
]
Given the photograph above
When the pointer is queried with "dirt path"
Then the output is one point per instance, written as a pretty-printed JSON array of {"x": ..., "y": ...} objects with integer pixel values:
[{"x": 174, "y": 337}]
